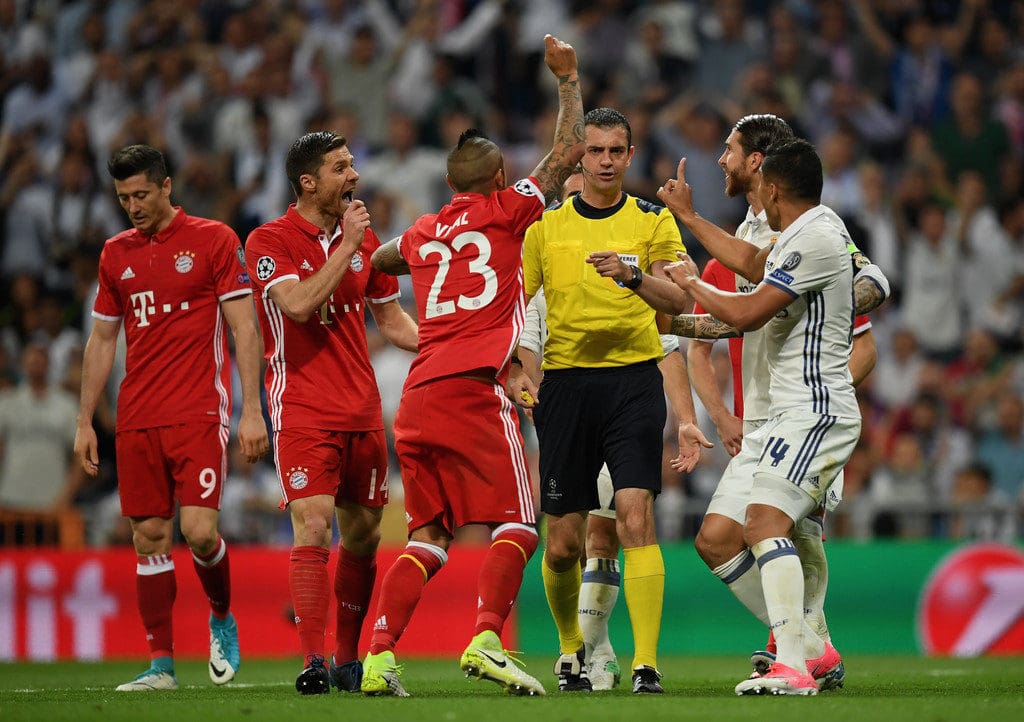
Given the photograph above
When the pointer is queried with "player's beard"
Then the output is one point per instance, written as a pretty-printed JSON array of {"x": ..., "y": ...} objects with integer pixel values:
[{"x": 736, "y": 184}]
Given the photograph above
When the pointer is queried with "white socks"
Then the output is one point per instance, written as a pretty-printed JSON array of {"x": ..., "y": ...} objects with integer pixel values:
[
  {"x": 783, "y": 582},
  {"x": 598, "y": 594}
]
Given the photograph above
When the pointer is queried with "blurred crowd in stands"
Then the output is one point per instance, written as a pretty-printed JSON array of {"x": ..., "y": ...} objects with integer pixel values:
[{"x": 916, "y": 107}]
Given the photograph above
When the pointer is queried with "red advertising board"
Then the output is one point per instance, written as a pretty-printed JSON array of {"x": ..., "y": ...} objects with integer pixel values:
[
  {"x": 57, "y": 605},
  {"x": 973, "y": 603}
]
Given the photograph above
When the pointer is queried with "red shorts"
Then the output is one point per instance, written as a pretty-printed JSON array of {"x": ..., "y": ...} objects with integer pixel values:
[
  {"x": 461, "y": 455},
  {"x": 348, "y": 465},
  {"x": 156, "y": 467}
]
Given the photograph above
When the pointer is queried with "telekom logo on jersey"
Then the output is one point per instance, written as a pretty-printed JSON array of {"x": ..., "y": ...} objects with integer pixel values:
[{"x": 145, "y": 306}]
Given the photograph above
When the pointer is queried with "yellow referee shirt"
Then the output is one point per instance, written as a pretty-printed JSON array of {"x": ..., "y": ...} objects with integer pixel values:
[{"x": 593, "y": 322}]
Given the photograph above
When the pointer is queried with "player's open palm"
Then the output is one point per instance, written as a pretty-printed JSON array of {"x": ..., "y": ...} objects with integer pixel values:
[
  {"x": 691, "y": 439},
  {"x": 558, "y": 56}
]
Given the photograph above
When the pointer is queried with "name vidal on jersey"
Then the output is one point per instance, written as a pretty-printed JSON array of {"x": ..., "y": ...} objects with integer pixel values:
[{"x": 443, "y": 229}]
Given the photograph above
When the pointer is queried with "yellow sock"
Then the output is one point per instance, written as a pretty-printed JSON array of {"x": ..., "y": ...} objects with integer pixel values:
[
  {"x": 563, "y": 592},
  {"x": 643, "y": 581}
]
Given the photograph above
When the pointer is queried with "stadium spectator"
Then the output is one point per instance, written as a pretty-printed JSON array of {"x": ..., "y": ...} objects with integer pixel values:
[
  {"x": 931, "y": 307},
  {"x": 36, "y": 438},
  {"x": 971, "y": 138},
  {"x": 1001, "y": 450}
]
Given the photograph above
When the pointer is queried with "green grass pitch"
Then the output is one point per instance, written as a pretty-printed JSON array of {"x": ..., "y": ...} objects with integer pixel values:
[{"x": 697, "y": 688}]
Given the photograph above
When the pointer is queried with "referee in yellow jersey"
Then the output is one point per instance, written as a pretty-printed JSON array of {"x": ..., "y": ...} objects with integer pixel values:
[{"x": 602, "y": 399}]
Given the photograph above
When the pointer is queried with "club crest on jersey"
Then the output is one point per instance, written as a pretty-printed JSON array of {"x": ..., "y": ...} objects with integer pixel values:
[
  {"x": 265, "y": 268},
  {"x": 240, "y": 252},
  {"x": 357, "y": 262},
  {"x": 298, "y": 478},
  {"x": 184, "y": 261},
  {"x": 791, "y": 261}
]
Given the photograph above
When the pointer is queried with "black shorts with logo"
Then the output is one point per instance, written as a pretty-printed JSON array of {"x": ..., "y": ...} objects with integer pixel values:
[{"x": 589, "y": 416}]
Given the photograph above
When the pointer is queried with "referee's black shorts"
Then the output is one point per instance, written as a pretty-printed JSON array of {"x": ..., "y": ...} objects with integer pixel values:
[{"x": 590, "y": 416}]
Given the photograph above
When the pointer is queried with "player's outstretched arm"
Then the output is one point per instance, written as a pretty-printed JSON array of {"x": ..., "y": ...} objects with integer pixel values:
[
  {"x": 252, "y": 430},
  {"x": 97, "y": 361},
  {"x": 654, "y": 288},
  {"x": 567, "y": 148},
  {"x": 734, "y": 253},
  {"x": 677, "y": 388},
  {"x": 701, "y": 325},
  {"x": 702, "y": 377},
  {"x": 388, "y": 259},
  {"x": 744, "y": 311}
]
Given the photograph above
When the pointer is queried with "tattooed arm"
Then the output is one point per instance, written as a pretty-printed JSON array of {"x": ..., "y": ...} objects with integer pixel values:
[
  {"x": 703, "y": 325},
  {"x": 567, "y": 148},
  {"x": 388, "y": 259},
  {"x": 867, "y": 295}
]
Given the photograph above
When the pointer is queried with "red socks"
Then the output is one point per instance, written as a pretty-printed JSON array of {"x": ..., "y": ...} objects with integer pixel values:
[
  {"x": 501, "y": 574},
  {"x": 157, "y": 587},
  {"x": 215, "y": 575},
  {"x": 353, "y": 584},
  {"x": 401, "y": 590},
  {"x": 307, "y": 580}
]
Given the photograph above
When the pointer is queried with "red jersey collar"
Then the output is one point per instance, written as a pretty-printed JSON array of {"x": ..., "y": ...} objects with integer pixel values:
[
  {"x": 310, "y": 229},
  {"x": 162, "y": 236}
]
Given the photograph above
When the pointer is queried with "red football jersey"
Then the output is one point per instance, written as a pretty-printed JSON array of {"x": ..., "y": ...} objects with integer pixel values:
[
  {"x": 167, "y": 288},
  {"x": 318, "y": 372},
  {"x": 467, "y": 273},
  {"x": 723, "y": 279}
]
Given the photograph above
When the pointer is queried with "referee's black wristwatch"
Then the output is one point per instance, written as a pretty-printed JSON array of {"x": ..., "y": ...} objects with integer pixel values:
[{"x": 634, "y": 283}]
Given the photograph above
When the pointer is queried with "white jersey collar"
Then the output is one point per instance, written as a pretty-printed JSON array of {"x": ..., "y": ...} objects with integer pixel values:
[
  {"x": 802, "y": 220},
  {"x": 754, "y": 219}
]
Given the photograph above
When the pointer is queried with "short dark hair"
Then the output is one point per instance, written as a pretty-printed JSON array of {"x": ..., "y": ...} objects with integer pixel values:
[
  {"x": 609, "y": 118},
  {"x": 307, "y": 155},
  {"x": 795, "y": 165},
  {"x": 473, "y": 161},
  {"x": 759, "y": 132},
  {"x": 135, "y": 159}
]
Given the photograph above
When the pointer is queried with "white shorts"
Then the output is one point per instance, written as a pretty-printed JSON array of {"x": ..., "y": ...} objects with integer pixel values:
[
  {"x": 733, "y": 491},
  {"x": 801, "y": 456},
  {"x": 835, "y": 493},
  {"x": 605, "y": 494}
]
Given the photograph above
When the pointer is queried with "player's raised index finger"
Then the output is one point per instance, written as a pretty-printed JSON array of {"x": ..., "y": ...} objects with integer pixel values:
[{"x": 681, "y": 170}]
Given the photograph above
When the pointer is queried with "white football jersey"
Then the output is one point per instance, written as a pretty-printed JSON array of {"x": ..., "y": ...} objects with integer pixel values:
[
  {"x": 808, "y": 343},
  {"x": 756, "y": 375}
]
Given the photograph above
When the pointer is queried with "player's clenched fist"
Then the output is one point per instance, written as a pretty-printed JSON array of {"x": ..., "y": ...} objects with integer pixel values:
[
  {"x": 559, "y": 57},
  {"x": 354, "y": 223}
]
